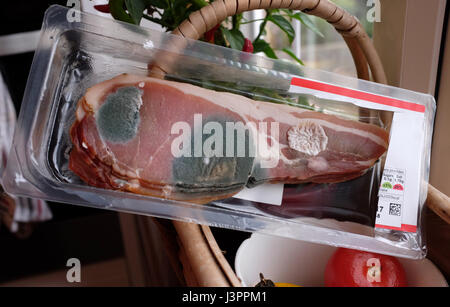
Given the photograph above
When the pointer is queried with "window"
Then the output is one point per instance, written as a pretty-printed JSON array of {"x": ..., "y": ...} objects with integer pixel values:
[{"x": 328, "y": 52}]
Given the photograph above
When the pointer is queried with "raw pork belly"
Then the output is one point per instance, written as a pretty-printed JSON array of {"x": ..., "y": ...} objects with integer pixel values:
[{"x": 125, "y": 130}]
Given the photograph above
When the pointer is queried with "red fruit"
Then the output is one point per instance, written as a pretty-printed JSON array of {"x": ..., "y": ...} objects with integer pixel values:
[
  {"x": 248, "y": 46},
  {"x": 209, "y": 35},
  {"x": 104, "y": 8},
  {"x": 352, "y": 268}
]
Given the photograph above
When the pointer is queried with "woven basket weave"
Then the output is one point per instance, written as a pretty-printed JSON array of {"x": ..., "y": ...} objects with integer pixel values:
[{"x": 198, "y": 256}]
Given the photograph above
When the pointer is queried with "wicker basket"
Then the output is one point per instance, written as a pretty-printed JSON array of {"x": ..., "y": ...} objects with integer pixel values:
[{"x": 198, "y": 258}]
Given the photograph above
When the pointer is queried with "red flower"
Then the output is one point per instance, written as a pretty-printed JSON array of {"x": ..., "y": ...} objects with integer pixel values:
[
  {"x": 248, "y": 46},
  {"x": 104, "y": 8}
]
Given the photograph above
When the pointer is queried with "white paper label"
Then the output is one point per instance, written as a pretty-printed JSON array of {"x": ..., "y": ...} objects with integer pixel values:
[
  {"x": 271, "y": 194},
  {"x": 400, "y": 184}
]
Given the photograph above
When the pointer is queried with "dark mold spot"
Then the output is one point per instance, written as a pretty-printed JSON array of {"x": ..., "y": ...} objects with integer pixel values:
[{"x": 214, "y": 175}]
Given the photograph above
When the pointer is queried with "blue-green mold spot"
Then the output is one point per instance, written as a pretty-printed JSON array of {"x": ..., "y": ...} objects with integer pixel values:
[{"x": 118, "y": 118}]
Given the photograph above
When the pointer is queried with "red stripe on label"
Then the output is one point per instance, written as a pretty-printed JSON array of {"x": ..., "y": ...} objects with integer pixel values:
[
  {"x": 337, "y": 90},
  {"x": 405, "y": 227}
]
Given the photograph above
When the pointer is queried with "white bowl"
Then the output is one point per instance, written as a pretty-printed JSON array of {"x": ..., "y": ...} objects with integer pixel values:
[{"x": 303, "y": 263}]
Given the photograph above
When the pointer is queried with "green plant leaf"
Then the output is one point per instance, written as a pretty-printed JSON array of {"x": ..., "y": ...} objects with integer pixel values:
[
  {"x": 199, "y": 3},
  {"x": 179, "y": 8},
  {"x": 234, "y": 37},
  {"x": 307, "y": 21},
  {"x": 292, "y": 55},
  {"x": 116, "y": 7},
  {"x": 284, "y": 25},
  {"x": 261, "y": 45},
  {"x": 136, "y": 9}
]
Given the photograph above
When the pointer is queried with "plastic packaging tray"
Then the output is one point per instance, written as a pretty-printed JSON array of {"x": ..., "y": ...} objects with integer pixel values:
[{"x": 72, "y": 56}]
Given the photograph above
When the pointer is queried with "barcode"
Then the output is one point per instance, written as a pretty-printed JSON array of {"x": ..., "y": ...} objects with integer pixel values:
[{"x": 395, "y": 209}]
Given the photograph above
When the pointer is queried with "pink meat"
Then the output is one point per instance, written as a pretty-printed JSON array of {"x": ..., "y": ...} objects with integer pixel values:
[{"x": 310, "y": 147}]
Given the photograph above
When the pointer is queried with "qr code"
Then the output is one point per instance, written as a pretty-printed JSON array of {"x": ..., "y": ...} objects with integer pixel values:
[{"x": 395, "y": 209}]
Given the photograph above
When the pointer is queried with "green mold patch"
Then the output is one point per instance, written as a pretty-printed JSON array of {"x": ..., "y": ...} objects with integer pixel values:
[{"x": 118, "y": 118}]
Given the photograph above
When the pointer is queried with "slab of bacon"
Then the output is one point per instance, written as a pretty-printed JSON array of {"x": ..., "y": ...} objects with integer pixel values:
[{"x": 171, "y": 140}]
